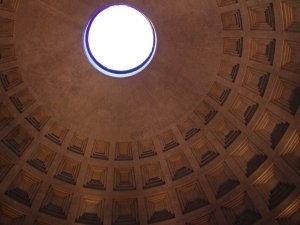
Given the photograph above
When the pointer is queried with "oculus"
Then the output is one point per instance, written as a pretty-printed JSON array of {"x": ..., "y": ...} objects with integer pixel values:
[{"x": 120, "y": 41}]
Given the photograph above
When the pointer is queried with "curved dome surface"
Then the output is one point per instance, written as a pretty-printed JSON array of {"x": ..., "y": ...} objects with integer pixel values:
[
  {"x": 207, "y": 134},
  {"x": 161, "y": 94}
]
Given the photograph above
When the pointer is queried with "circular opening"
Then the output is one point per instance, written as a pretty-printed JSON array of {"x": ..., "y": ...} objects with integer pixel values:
[{"x": 120, "y": 41}]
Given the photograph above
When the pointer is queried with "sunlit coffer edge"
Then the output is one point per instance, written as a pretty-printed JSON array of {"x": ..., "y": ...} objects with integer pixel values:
[{"x": 120, "y": 41}]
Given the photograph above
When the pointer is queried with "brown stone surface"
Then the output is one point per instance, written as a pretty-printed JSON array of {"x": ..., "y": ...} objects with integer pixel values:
[
  {"x": 207, "y": 134},
  {"x": 57, "y": 70}
]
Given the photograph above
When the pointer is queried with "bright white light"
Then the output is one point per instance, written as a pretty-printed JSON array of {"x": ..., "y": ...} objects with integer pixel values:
[{"x": 120, "y": 41}]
